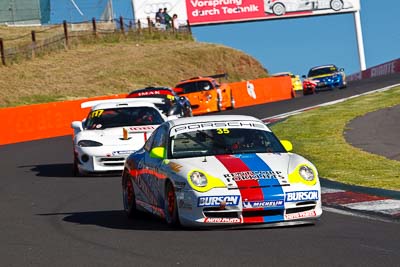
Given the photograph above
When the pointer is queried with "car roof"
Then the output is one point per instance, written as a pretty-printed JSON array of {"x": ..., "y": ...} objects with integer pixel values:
[
  {"x": 152, "y": 88},
  {"x": 122, "y": 103},
  {"x": 323, "y": 66},
  {"x": 213, "y": 118},
  {"x": 282, "y": 73}
]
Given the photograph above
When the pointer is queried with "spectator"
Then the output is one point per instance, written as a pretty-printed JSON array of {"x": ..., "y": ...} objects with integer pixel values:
[
  {"x": 168, "y": 19},
  {"x": 159, "y": 14},
  {"x": 175, "y": 22}
]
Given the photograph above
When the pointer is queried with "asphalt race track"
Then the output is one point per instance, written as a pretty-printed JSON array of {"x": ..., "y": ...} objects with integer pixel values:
[{"x": 50, "y": 218}]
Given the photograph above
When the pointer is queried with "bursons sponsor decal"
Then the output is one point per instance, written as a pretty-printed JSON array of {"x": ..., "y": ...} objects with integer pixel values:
[
  {"x": 212, "y": 201},
  {"x": 254, "y": 175},
  {"x": 301, "y": 196}
]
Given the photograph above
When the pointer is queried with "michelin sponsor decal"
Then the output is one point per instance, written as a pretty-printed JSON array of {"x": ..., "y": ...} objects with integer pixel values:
[
  {"x": 301, "y": 196},
  {"x": 216, "y": 201},
  {"x": 262, "y": 204}
]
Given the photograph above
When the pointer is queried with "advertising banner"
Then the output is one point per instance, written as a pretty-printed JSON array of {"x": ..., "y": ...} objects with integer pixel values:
[{"x": 199, "y": 12}]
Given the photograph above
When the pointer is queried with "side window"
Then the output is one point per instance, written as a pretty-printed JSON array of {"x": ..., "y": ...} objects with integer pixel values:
[
  {"x": 188, "y": 87},
  {"x": 204, "y": 86},
  {"x": 157, "y": 138}
]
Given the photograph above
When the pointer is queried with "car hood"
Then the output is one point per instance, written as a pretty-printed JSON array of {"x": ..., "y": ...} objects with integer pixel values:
[
  {"x": 323, "y": 77},
  {"x": 247, "y": 170},
  {"x": 134, "y": 135}
]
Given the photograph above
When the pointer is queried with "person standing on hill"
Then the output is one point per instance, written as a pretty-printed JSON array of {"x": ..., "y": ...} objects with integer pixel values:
[
  {"x": 175, "y": 22},
  {"x": 167, "y": 18}
]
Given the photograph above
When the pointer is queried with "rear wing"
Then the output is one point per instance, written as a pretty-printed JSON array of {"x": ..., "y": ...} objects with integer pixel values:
[{"x": 122, "y": 101}]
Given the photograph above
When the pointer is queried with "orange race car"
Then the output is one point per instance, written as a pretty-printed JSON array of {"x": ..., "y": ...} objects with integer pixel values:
[{"x": 206, "y": 94}]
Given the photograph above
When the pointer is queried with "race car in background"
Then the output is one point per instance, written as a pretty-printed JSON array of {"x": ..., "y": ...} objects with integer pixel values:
[
  {"x": 296, "y": 82},
  {"x": 280, "y": 7},
  {"x": 206, "y": 94},
  {"x": 112, "y": 130},
  {"x": 220, "y": 170},
  {"x": 172, "y": 103},
  {"x": 325, "y": 77}
]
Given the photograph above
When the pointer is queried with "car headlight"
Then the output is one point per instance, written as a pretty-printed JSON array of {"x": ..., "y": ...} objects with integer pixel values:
[
  {"x": 198, "y": 179},
  {"x": 306, "y": 173},
  {"x": 87, "y": 143}
]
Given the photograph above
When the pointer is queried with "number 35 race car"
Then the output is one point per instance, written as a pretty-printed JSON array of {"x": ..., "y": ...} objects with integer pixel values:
[{"x": 220, "y": 170}]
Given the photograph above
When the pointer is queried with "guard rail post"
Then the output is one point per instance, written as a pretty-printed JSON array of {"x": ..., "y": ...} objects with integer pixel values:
[
  {"x": 33, "y": 34},
  {"x": 66, "y": 44},
  {"x": 3, "y": 57},
  {"x": 121, "y": 24},
  {"x": 149, "y": 23},
  {"x": 94, "y": 27},
  {"x": 189, "y": 28},
  {"x": 139, "y": 26}
]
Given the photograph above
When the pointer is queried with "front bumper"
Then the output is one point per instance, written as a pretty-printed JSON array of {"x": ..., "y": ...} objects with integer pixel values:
[
  {"x": 98, "y": 160},
  {"x": 286, "y": 213}
]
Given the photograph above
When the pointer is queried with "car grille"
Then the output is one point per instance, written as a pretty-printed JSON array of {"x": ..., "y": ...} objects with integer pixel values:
[
  {"x": 218, "y": 213},
  {"x": 262, "y": 213},
  {"x": 301, "y": 207},
  {"x": 111, "y": 161}
]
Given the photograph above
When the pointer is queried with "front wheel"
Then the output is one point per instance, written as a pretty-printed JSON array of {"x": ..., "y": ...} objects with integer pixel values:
[{"x": 171, "y": 207}]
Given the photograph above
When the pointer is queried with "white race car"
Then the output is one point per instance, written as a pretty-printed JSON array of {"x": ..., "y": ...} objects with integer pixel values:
[
  {"x": 112, "y": 130},
  {"x": 220, "y": 170}
]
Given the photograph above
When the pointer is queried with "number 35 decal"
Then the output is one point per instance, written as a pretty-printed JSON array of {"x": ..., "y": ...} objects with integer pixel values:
[{"x": 222, "y": 131}]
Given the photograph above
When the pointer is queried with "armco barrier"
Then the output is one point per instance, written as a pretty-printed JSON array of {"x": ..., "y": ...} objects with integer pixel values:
[
  {"x": 33, "y": 122},
  {"x": 40, "y": 121},
  {"x": 261, "y": 91}
]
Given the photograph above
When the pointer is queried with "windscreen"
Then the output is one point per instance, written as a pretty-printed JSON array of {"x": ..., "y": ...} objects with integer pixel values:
[
  {"x": 224, "y": 141},
  {"x": 321, "y": 71},
  {"x": 120, "y": 117}
]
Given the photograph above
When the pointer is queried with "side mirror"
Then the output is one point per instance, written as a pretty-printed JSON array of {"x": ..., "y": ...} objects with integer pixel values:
[
  {"x": 77, "y": 125},
  {"x": 303, "y": 76},
  {"x": 287, "y": 145},
  {"x": 341, "y": 69},
  {"x": 157, "y": 152}
]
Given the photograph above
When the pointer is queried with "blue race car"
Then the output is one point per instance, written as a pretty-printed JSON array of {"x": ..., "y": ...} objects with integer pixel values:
[{"x": 326, "y": 77}]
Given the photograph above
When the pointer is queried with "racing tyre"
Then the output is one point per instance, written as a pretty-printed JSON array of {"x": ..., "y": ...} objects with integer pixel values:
[
  {"x": 75, "y": 169},
  {"x": 279, "y": 9},
  {"x": 336, "y": 5},
  {"x": 128, "y": 195},
  {"x": 171, "y": 207}
]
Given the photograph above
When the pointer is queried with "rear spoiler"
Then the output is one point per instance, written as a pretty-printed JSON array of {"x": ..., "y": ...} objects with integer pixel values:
[
  {"x": 122, "y": 101},
  {"x": 216, "y": 76}
]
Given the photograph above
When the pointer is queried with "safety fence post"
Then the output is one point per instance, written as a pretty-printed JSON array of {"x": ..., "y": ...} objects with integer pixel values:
[
  {"x": 94, "y": 27},
  {"x": 3, "y": 57},
  {"x": 66, "y": 34},
  {"x": 33, "y": 34}
]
